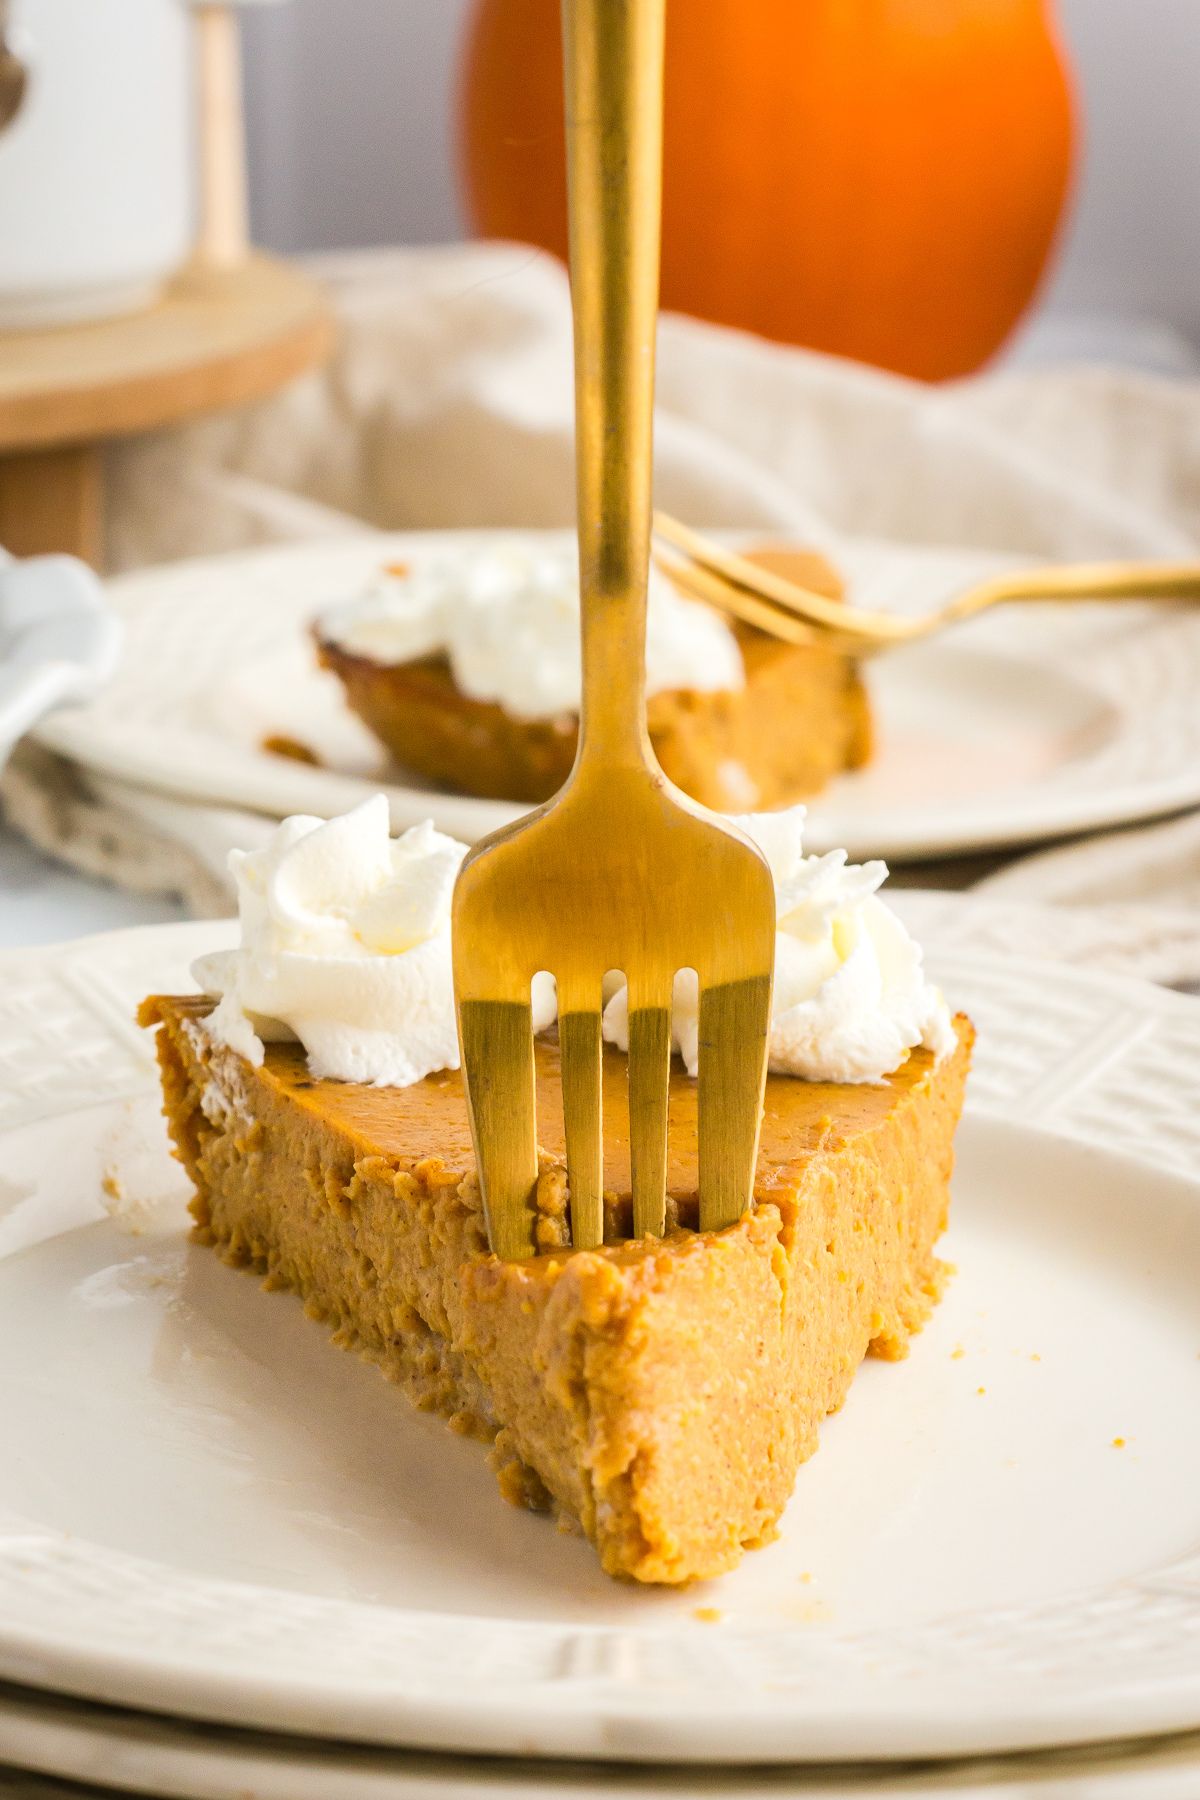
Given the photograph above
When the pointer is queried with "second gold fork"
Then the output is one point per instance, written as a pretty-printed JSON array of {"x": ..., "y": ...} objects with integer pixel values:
[{"x": 735, "y": 585}]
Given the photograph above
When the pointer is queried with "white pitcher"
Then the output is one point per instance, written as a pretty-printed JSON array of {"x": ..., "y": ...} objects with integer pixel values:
[{"x": 96, "y": 169}]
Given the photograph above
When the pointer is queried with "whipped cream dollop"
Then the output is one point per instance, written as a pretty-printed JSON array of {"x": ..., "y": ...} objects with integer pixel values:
[
  {"x": 506, "y": 614},
  {"x": 851, "y": 996},
  {"x": 345, "y": 945}
]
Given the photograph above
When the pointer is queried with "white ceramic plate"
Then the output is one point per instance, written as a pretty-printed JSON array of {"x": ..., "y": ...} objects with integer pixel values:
[
  {"x": 140, "y": 1753},
  {"x": 206, "y": 1509},
  {"x": 1016, "y": 728}
]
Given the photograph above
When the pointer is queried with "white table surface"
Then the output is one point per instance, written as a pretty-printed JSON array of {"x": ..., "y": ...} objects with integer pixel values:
[{"x": 42, "y": 901}]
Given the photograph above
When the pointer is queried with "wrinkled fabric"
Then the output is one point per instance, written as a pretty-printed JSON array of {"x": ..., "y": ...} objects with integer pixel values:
[{"x": 448, "y": 402}]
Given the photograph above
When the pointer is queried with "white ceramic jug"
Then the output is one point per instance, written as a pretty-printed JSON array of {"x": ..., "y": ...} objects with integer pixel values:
[{"x": 96, "y": 170}]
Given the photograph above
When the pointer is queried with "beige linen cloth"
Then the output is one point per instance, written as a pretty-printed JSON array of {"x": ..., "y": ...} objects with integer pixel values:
[{"x": 448, "y": 402}]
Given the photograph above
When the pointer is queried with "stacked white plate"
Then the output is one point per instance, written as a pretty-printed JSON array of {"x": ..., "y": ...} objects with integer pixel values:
[{"x": 233, "y": 1560}]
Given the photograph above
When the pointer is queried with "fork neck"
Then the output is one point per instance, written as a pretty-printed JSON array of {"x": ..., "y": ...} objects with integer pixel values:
[{"x": 614, "y": 97}]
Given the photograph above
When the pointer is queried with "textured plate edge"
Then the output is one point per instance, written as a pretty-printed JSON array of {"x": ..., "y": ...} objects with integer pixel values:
[{"x": 54, "y": 1736}]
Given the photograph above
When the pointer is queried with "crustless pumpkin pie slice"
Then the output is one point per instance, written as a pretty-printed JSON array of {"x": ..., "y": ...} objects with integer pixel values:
[{"x": 661, "y": 1393}]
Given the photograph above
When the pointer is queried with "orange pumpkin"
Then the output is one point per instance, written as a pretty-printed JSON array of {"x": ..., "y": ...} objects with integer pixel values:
[{"x": 878, "y": 178}]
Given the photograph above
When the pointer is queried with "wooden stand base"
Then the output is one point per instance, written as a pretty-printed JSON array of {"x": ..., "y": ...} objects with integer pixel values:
[
  {"x": 218, "y": 338},
  {"x": 52, "y": 500}
]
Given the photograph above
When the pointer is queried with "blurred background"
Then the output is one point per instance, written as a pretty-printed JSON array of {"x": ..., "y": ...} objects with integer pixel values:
[
  {"x": 351, "y": 128},
  {"x": 245, "y": 300}
]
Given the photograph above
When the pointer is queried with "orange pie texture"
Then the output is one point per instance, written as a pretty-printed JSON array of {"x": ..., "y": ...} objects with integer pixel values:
[{"x": 658, "y": 1394}]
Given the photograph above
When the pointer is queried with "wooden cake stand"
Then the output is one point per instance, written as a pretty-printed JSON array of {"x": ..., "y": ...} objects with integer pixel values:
[{"x": 219, "y": 338}]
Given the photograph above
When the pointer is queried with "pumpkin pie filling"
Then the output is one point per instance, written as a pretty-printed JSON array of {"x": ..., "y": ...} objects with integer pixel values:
[{"x": 661, "y": 1393}]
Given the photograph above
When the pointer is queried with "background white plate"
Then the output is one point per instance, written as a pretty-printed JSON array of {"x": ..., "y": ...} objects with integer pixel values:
[
  {"x": 137, "y": 1752},
  {"x": 1015, "y": 728},
  {"x": 204, "y": 1508}
]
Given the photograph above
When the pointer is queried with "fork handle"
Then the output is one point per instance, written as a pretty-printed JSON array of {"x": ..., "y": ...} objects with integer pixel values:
[
  {"x": 613, "y": 65},
  {"x": 1083, "y": 581}
]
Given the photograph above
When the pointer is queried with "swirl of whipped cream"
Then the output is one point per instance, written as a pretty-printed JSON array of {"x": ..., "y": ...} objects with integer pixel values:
[
  {"x": 851, "y": 997},
  {"x": 506, "y": 614},
  {"x": 345, "y": 946}
]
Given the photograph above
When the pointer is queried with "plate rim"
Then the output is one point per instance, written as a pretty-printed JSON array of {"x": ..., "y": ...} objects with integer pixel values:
[
  {"x": 76, "y": 1740},
  {"x": 590, "y": 1701}
]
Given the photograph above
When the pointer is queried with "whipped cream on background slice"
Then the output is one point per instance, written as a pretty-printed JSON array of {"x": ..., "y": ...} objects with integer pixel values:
[
  {"x": 851, "y": 997},
  {"x": 507, "y": 615},
  {"x": 345, "y": 946}
]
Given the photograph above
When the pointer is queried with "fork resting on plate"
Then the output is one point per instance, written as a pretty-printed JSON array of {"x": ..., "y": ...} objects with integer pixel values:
[{"x": 763, "y": 598}]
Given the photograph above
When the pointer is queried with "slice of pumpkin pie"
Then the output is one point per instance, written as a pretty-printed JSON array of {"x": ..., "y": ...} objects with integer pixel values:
[
  {"x": 662, "y": 1393},
  {"x": 465, "y": 664}
]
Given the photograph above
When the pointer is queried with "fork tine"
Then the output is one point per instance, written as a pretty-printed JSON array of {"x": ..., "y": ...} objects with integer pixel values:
[
  {"x": 649, "y": 1076},
  {"x": 727, "y": 598},
  {"x": 766, "y": 585},
  {"x": 579, "y": 1041},
  {"x": 774, "y": 592},
  {"x": 734, "y": 1021},
  {"x": 497, "y": 1058}
]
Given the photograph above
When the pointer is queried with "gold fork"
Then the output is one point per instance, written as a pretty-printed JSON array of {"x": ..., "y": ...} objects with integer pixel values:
[
  {"x": 733, "y": 584},
  {"x": 619, "y": 870}
]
